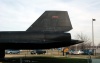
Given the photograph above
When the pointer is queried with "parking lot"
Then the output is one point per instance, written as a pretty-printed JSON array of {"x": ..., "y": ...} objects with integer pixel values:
[
  {"x": 54, "y": 53},
  {"x": 27, "y": 53}
]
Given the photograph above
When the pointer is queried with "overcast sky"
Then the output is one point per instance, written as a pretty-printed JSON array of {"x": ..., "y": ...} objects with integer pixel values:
[{"x": 18, "y": 15}]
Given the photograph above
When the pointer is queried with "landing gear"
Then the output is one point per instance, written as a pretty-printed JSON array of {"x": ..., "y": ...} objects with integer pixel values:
[{"x": 2, "y": 53}]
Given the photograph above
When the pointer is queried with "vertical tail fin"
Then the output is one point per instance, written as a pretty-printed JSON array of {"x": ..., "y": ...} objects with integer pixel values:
[{"x": 52, "y": 21}]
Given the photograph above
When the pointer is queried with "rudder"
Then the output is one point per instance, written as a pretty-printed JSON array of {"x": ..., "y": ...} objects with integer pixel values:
[{"x": 56, "y": 21}]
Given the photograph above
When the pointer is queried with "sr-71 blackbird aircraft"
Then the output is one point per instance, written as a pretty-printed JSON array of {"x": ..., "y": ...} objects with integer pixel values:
[{"x": 50, "y": 30}]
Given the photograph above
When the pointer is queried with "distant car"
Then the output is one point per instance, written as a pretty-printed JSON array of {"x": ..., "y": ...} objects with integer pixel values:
[
  {"x": 12, "y": 51},
  {"x": 59, "y": 48},
  {"x": 38, "y": 52},
  {"x": 88, "y": 51},
  {"x": 71, "y": 51},
  {"x": 33, "y": 52},
  {"x": 78, "y": 52}
]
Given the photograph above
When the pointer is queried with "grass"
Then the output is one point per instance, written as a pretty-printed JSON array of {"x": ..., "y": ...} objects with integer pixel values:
[
  {"x": 46, "y": 60},
  {"x": 97, "y": 57}
]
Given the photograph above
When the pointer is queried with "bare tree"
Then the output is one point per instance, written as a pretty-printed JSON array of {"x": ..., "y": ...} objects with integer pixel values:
[
  {"x": 98, "y": 46},
  {"x": 82, "y": 37},
  {"x": 86, "y": 44},
  {"x": 73, "y": 47}
]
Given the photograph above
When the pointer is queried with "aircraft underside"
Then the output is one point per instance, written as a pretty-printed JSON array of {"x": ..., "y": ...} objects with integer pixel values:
[{"x": 47, "y": 45}]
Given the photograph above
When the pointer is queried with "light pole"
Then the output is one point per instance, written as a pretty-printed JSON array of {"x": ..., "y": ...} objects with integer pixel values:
[{"x": 93, "y": 34}]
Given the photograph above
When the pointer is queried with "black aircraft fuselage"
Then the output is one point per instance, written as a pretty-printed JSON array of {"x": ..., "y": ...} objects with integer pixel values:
[
  {"x": 34, "y": 40},
  {"x": 48, "y": 31}
]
